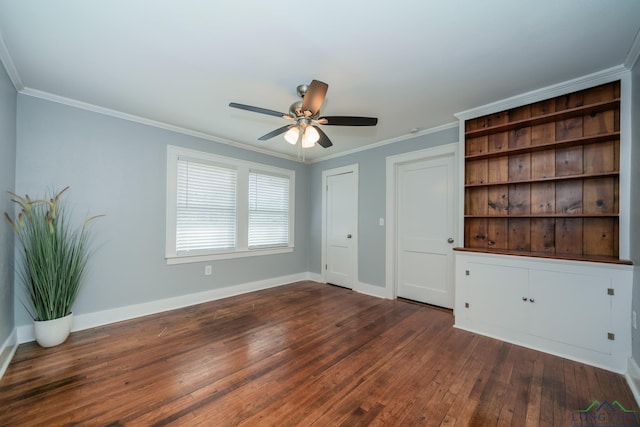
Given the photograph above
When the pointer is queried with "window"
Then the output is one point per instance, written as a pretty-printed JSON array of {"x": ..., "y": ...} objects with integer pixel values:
[
  {"x": 219, "y": 207},
  {"x": 206, "y": 207},
  {"x": 268, "y": 210}
]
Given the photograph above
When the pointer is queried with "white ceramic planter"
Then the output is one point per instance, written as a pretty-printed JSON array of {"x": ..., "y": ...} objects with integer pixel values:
[{"x": 50, "y": 333}]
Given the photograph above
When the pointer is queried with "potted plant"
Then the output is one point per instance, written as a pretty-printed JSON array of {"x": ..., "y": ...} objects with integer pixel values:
[{"x": 52, "y": 263}]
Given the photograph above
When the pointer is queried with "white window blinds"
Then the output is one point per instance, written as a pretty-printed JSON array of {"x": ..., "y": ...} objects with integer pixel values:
[
  {"x": 268, "y": 210},
  {"x": 206, "y": 207}
]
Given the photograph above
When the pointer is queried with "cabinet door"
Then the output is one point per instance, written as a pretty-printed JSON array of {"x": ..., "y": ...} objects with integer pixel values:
[
  {"x": 496, "y": 295},
  {"x": 571, "y": 308}
]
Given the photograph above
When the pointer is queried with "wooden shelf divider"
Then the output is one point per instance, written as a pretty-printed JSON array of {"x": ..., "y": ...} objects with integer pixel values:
[
  {"x": 569, "y": 257},
  {"x": 545, "y": 179},
  {"x": 610, "y": 136},
  {"x": 569, "y": 113},
  {"x": 603, "y": 215}
]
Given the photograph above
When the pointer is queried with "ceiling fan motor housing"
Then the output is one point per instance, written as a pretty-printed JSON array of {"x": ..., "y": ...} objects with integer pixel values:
[{"x": 296, "y": 109}]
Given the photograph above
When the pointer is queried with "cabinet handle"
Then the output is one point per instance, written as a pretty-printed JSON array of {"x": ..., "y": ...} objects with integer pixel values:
[
  {"x": 524, "y": 298},
  {"x": 532, "y": 300}
]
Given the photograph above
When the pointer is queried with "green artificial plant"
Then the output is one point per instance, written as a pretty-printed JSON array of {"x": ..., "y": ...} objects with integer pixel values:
[{"x": 54, "y": 255}]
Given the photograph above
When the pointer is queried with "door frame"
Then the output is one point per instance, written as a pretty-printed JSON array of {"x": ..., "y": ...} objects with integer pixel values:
[
  {"x": 393, "y": 166},
  {"x": 353, "y": 168}
]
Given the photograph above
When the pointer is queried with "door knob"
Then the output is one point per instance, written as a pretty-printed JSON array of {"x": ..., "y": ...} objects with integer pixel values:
[
  {"x": 450, "y": 240},
  {"x": 348, "y": 236}
]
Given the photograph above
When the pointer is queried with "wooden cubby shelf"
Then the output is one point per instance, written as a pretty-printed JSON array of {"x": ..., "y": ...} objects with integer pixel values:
[
  {"x": 569, "y": 257},
  {"x": 565, "y": 114},
  {"x": 544, "y": 178},
  {"x": 583, "y": 140},
  {"x": 604, "y": 215}
]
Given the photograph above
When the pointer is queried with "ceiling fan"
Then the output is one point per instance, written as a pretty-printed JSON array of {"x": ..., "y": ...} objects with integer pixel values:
[{"x": 306, "y": 116}]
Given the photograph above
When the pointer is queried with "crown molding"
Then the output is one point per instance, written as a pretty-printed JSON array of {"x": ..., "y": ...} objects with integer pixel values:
[
  {"x": 584, "y": 82},
  {"x": 634, "y": 53},
  {"x": 202, "y": 135},
  {"x": 387, "y": 142},
  {"x": 601, "y": 77},
  {"x": 149, "y": 122},
  {"x": 7, "y": 61}
]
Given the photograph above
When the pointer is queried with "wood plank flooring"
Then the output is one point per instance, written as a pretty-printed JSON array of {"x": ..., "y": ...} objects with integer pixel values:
[{"x": 302, "y": 354}]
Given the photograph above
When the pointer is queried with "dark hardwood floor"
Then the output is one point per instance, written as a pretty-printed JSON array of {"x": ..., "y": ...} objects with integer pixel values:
[{"x": 302, "y": 354}]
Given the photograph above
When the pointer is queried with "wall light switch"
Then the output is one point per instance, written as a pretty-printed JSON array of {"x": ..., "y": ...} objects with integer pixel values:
[
  {"x": 207, "y": 270},
  {"x": 381, "y": 222}
]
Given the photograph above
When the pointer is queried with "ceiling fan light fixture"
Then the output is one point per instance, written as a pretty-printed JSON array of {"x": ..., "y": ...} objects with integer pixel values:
[
  {"x": 292, "y": 135},
  {"x": 310, "y": 137},
  {"x": 305, "y": 114}
]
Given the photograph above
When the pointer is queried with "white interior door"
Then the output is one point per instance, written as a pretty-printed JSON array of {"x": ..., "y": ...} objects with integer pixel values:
[
  {"x": 425, "y": 227},
  {"x": 340, "y": 217}
]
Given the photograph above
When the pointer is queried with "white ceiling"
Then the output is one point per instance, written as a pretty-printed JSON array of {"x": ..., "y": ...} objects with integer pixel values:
[{"x": 411, "y": 63}]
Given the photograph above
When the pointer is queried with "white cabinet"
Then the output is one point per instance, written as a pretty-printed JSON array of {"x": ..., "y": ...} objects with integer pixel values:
[
  {"x": 572, "y": 308},
  {"x": 490, "y": 289},
  {"x": 578, "y": 310}
]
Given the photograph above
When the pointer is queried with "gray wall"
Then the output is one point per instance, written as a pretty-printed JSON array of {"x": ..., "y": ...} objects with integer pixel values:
[
  {"x": 635, "y": 201},
  {"x": 7, "y": 182},
  {"x": 371, "y": 202},
  {"x": 118, "y": 168}
]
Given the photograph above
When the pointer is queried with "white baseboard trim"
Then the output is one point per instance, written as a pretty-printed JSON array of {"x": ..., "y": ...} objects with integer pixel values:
[
  {"x": 7, "y": 351},
  {"x": 316, "y": 277},
  {"x": 587, "y": 357},
  {"x": 374, "y": 291},
  {"x": 633, "y": 379},
  {"x": 361, "y": 288},
  {"x": 83, "y": 321}
]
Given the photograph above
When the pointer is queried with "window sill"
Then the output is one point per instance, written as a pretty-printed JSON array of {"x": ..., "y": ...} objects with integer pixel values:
[{"x": 185, "y": 259}]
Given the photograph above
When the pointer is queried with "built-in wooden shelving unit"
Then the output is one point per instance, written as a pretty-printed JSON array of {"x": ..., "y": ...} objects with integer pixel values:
[{"x": 543, "y": 179}]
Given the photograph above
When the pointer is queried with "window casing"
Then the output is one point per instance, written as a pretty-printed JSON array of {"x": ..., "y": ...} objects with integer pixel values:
[{"x": 219, "y": 207}]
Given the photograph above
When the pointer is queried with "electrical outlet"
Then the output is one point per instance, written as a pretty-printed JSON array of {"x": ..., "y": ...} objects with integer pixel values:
[
  {"x": 381, "y": 222},
  {"x": 634, "y": 319},
  {"x": 207, "y": 270}
]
